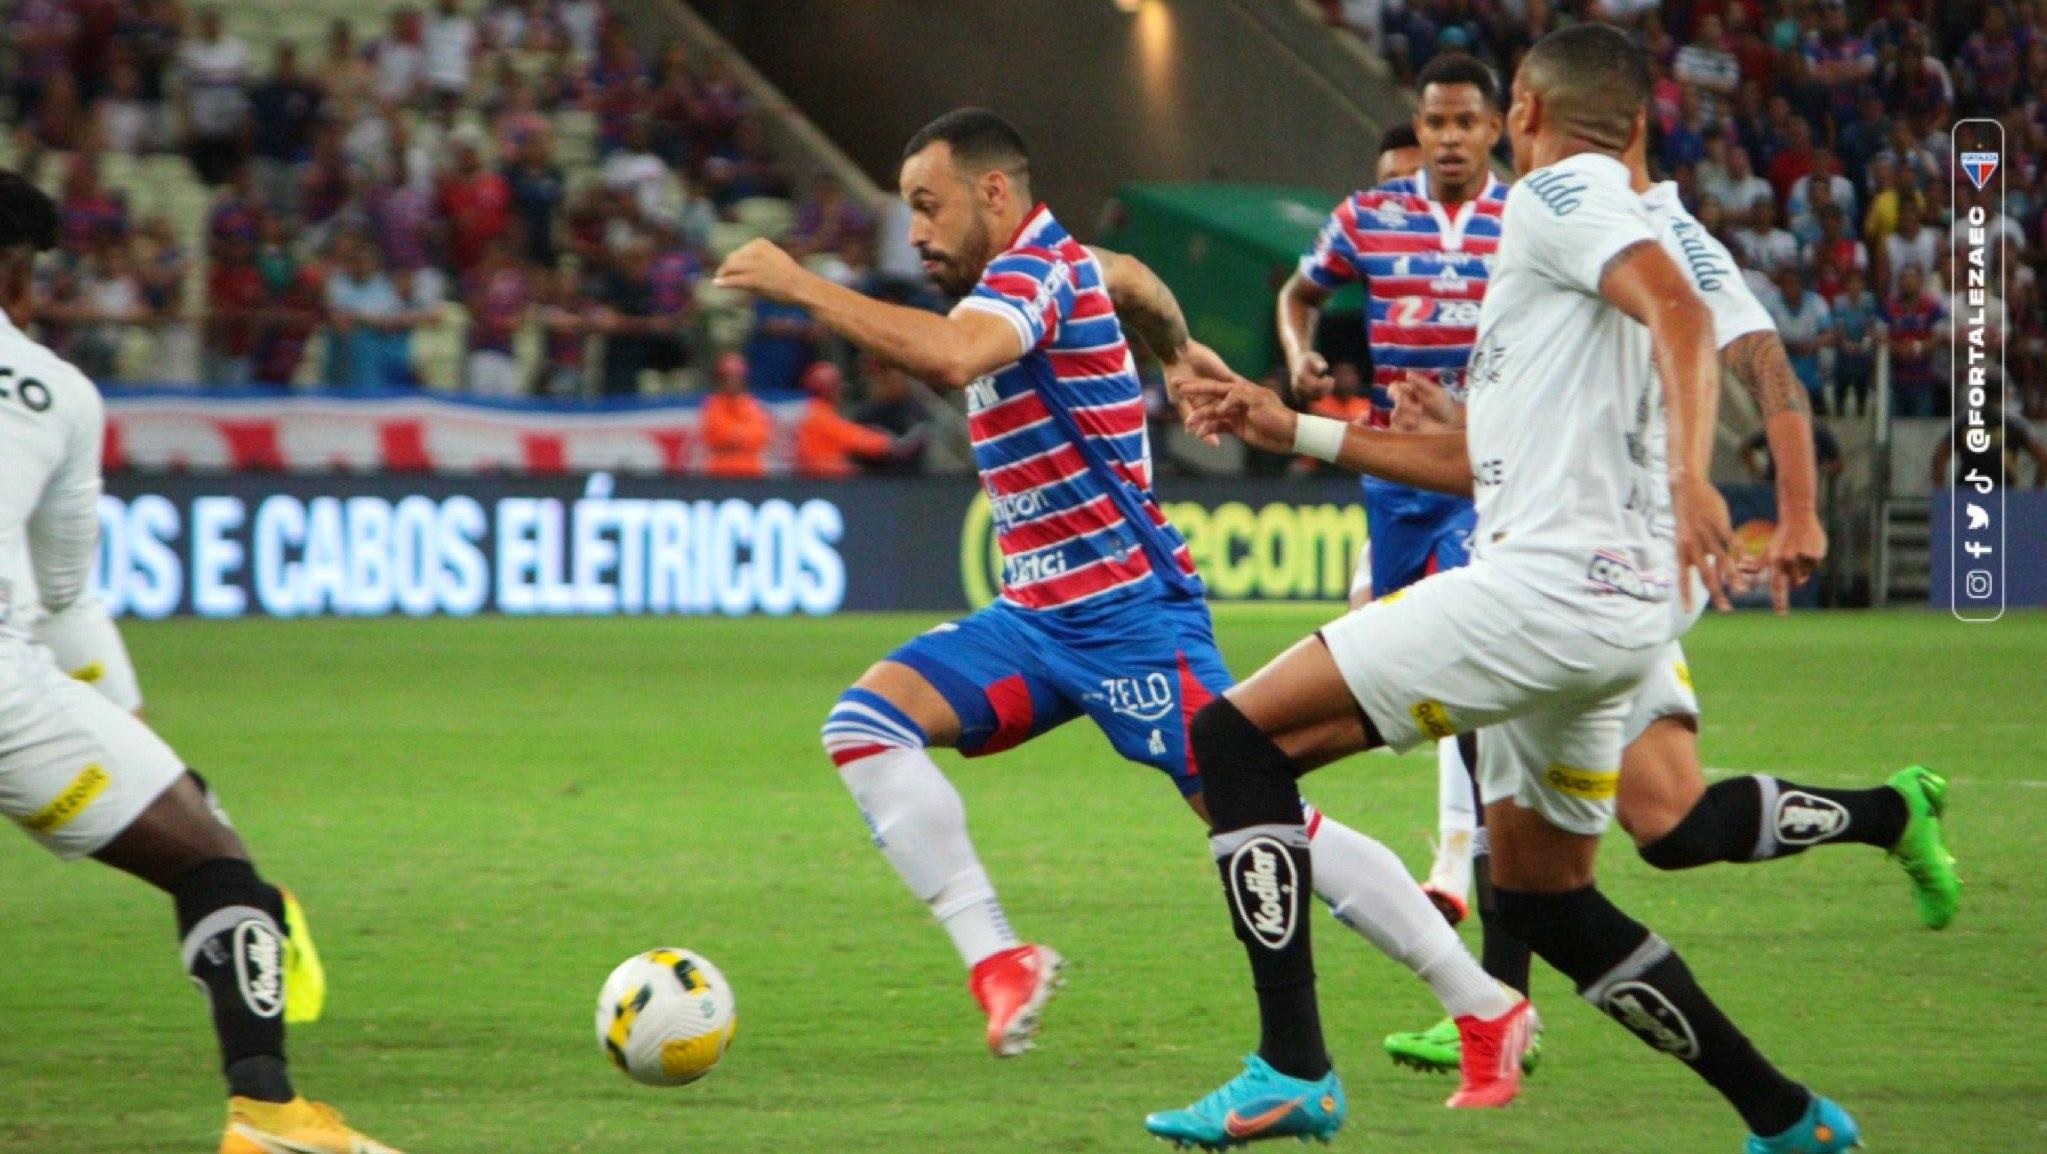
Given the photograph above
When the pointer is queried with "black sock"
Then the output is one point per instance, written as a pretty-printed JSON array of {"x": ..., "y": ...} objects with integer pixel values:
[
  {"x": 231, "y": 925},
  {"x": 1760, "y": 818},
  {"x": 1638, "y": 980},
  {"x": 1505, "y": 957},
  {"x": 1261, "y": 850}
]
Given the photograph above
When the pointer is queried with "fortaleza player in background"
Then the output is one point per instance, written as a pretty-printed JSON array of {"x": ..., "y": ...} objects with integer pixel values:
[
  {"x": 1422, "y": 243},
  {"x": 1663, "y": 802},
  {"x": 1541, "y": 640},
  {"x": 1101, "y": 612},
  {"x": 85, "y": 777}
]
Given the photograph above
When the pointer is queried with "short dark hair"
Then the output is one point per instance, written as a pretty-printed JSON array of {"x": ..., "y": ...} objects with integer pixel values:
[
  {"x": 1593, "y": 78},
  {"x": 28, "y": 217},
  {"x": 980, "y": 140},
  {"x": 1459, "y": 68},
  {"x": 1398, "y": 137}
]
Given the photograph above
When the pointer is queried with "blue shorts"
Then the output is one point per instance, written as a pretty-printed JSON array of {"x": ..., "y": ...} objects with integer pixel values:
[
  {"x": 1407, "y": 547},
  {"x": 1140, "y": 670}
]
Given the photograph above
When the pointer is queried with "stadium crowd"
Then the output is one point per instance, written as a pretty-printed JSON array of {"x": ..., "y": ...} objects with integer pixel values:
[
  {"x": 368, "y": 190},
  {"x": 1812, "y": 137}
]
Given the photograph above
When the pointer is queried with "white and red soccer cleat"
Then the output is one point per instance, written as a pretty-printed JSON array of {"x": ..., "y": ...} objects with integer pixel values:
[
  {"x": 1490, "y": 1060},
  {"x": 1013, "y": 987}
]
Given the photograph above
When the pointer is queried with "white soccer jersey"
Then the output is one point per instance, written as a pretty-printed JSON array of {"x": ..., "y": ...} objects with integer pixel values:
[
  {"x": 51, "y": 426},
  {"x": 1555, "y": 379}
]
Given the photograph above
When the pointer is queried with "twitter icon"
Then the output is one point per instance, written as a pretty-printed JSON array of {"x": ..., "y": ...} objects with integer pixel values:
[{"x": 1979, "y": 519}]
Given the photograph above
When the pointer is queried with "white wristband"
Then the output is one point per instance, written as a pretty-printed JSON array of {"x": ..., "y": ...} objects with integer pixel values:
[{"x": 1318, "y": 437}]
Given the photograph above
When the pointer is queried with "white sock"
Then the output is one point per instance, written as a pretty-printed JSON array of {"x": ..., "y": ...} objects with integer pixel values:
[
  {"x": 920, "y": 826},
  {"x": 1368, "y": 889},
  {"x": 1456, "y": 821}
]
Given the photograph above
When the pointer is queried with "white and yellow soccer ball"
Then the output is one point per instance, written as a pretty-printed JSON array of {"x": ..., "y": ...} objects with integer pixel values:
[{"x": 665, "y": 1017}]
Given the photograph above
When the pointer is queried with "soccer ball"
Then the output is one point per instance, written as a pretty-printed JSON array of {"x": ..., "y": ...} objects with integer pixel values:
[{"x": 665, "y": 1017}]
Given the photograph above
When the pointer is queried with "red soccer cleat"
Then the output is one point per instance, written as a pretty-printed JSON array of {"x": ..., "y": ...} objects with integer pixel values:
[
  {"x": 1013, "y": 987},
  {"x": 1453, "y": 908},
  {"x": 1490, "y": 1062}
]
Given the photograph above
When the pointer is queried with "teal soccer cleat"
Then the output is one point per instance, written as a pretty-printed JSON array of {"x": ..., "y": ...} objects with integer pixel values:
[
  {"x": 1825, "y": 1129},
  {"x": 1257, "y": 1104}
]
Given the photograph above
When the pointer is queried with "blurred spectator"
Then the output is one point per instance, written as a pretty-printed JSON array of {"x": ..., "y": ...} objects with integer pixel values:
[
  {"x": 1990, "y": 63},
  {"x": 344, "y": 74},
  {"x": 827, "y": 444},
  {"x": 736, "y": 427},
  {"x": 893, "y": 406},
  {"x": 499, "y": 295},
  {"x": 370, "y": 346},
  {"x": 1807, "y": 326},
  {"x": 1913, "y": 315},
  {"x": 828, "y": 220},
  {"x": 1823, "y": 186},
  {"x": 1762, "y": 244},
  {"x": 236, "y": 215},
  {"x": 1838, "y": 60},
  {"x": 87, "y": 214},
  {"x": 1708, "y": 67},
  {"x": 1858, "y": 324},
  {"x": 638, "y": 336},
  {"x": 111, "y": 301},
  {"x": 581, "y": 22},
  {"x": 1912, "y": 246},
  {"x": 235, "y": 297},
  {"x": 565, "y": 328},
  {"x": 161, "y": 268},
  {"x": 400, "y": 60},
  {"x": 784, "y": 340},
  {"x": 449, "y": 42},
  {"x": 635, "y": 171},
  {"x": 1741, "y": 188},
  {"x": 284, "y": 111},
  {"x": 618, "y": 84},
  {"x": 214, "y": 69},
  {"x": 474, "y": 202},
  {"x": 1826, "y": 451},
  {"x": 126, "y": 123},
  {"x": 297, "y": 308},
  {"x": 538, "y": 189},
  {"x": 744, "y": 168},
  {"x": 42, "y": 33}
]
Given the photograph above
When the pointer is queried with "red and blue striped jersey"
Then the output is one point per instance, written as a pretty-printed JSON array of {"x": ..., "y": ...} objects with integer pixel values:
[
  {"x": 1424, "y": 269},
  {"x": 1060, "y": 439}
]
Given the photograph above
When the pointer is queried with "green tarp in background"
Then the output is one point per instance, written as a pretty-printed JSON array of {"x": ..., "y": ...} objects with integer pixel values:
[{"x": 1225, "y": 249}]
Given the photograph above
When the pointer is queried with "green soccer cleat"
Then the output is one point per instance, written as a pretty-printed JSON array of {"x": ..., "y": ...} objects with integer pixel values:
[
  {"x": 1437, "y": 1050},
  {"x": 1921, "y": 850}
]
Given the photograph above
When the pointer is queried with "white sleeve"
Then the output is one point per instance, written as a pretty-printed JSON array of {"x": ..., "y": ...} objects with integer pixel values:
[
  {"x": 1575, "y": 222},
  {"x": 63, "y": 532},
  {"x": 1716, "y": 277}
]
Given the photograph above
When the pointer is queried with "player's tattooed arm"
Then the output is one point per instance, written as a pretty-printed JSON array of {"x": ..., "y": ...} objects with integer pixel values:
[
  {"x": 1144, "y": 304},
  {"x": 1798, "y": 545}
]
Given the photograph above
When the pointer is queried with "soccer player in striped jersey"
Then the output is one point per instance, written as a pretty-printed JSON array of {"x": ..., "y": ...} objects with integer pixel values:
[
  {"x": 1422, "y": 244},
  {"x": 1101, "y": 612}
]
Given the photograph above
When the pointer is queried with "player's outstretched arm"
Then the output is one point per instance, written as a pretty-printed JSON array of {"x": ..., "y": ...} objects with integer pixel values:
[
  {"x": 947, "y": 352},
  {"x": 1256, "y": 416},
  {"x": 1144, "y": 304},
  {"x": 1643, "y": 282},
  {"x": 1299, "y": 313},
  {"x": 1758, "y": 360}
]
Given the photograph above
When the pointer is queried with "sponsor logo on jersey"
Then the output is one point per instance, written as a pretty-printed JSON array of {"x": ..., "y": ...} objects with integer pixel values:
[
  {"x": 1589, "y": 784},
  {"x": 981, "y": 394},
  {"x": 259, "y": 967},
  {"x": 1431, "y": 718},
  {"x": 1608, "y": 573},
  {"x": 1266, "y": 890},
  {"x": 68, "y": 804},
  {"x": 1683, "y": 673},
  {"x": 1643, "y": 1008},
  {"x": 1148, "y": 699},
  {"x": 1803, "y": 819},
  {"x": 1390, "y": 214}
]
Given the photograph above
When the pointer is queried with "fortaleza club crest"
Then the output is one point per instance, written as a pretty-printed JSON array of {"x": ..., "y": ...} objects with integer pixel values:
[{"x": 1979, "y": 166}]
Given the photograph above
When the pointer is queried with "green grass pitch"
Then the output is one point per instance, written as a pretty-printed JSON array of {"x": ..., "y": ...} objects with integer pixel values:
[{"x": 483, "y": 817}]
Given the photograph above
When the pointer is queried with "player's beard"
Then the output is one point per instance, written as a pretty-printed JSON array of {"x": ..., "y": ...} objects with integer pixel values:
[{"x": 961, "y": 271}]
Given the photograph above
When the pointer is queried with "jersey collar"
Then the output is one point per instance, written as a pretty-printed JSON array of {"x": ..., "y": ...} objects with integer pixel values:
[
  {"x": 1033, "y": 223},
  {"x": 1451, "y": 229}
]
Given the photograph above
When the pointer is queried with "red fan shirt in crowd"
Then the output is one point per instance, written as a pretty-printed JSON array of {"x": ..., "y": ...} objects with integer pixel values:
[
  {"x": 478, "y": 209},
  {"x": 498, "y": 302},
  {"x": 232, "y": 290}
]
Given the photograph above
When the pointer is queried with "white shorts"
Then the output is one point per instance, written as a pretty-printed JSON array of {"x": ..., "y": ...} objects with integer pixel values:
[
  {"x": 1666, "y": 691},
  {"x": 1475, "y": 648},
  {"x": 75, "y": 769},
  {"x": 85, "y": 643},
  {"x": 1361, "y": 577}
]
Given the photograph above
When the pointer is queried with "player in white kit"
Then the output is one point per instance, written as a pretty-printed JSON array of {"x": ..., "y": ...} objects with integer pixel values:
[
  {"x": 1676, "y": 819},
  {"x": 82, "y": 775},
  {"x": 1541, "y": 640}
]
